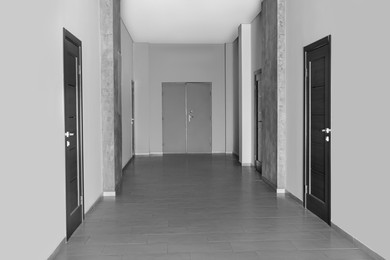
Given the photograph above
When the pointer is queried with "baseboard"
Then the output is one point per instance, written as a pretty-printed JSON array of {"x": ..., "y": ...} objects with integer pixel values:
[
  {"x": 142, "y": 154},
  {"x": 57, "y": 250},
  {"x": 294, "y": 198},
  {"x": 94, "y": 205},
  {"x": 156, "y": 154},
  {"x": 246, "y": 164},
  {"x": 356, "y": 242},
  {"x": 128, "y": 163},
  {"x": 109, "y": 194},
  {"x": 281, "y": 191},
  {"x": 270, "y": 184},
  {"x": 63, "y": 241}
]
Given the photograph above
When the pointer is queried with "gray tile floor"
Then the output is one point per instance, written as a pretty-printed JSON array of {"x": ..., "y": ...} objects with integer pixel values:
[{"x": 200, "y": 207}]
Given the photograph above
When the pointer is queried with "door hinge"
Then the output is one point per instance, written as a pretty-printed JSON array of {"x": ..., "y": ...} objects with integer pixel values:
[
  {"x": 306, "y": 189},
  {"x": 306, "y": 72},
  {"x": 81, "y": 200},
  {"x": 79, "y": 69}
]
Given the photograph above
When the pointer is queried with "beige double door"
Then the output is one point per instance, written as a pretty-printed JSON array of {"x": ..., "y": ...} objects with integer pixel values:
[{"x": 186, "y": 117}]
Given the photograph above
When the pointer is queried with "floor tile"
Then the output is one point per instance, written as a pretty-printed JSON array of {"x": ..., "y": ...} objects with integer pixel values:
[
  {"x": 157, "y": 257},
  {"x": 323, "y": 243},
  {"x": 262, "y": 245},
  {"x": 110, "y": 239},
  {"x": 291, "y": 255},
  {"x": 177, "y": 238},
  {"x": 135, "y": 249},
  {"x": 344, "y": 254},
  {"x": 225, "y": 256},
  {"x": 199, "y": 247}
]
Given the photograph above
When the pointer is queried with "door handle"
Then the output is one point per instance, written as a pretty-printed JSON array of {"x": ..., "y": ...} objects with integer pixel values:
[
  {"x": 326, "y": 130},
  {"x": 67, "y": 134},
  {"x": 132, "y": 121},
  {"x": 190, "y": 117}
]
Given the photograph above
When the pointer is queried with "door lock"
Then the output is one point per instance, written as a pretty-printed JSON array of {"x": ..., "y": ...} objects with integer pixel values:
[
  {"x": 67, "y": 134},
  {"x": 67, "y": 143}
]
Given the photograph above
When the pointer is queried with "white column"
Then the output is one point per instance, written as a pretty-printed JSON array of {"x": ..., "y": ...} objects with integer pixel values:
[{"x": 245, "y": 95}]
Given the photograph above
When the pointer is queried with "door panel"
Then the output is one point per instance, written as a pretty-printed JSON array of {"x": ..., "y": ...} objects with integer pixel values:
[
  {"x": 132, "y": 120},
  {"x": 72, "y": 103},
  {"x": 317, "y": 121},
  {"x": 199, "y": 118},
  {"x": 259, "y": 122},
  {"x": 174, "y": 118}
]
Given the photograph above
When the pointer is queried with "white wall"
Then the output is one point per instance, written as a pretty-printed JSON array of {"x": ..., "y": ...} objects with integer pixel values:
[
  {"x": 245, "y": 96},
  {"x": 229, "y": 68},
  {"x": 180, "y": 63},
  {"x": 232, "y": 84},
  {"x": 32, "y": 112},
  {"x": 127, "y": 77},
  {"x": 141, "y": 100},
  {"x": 256, "y": 44},
  {"x": 360, "y": 110}
]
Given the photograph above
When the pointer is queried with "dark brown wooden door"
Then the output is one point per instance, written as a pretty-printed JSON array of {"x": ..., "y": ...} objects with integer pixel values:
[
  {"x": 72, "y": 93},
  {"x": 259, "y": 122},
  {"x": 317, "y": 69},
  {"x": 132, "y": 119}
]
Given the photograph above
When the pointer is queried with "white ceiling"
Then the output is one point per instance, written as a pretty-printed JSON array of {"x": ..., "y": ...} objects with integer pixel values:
[{"x": 187, "y": 21}]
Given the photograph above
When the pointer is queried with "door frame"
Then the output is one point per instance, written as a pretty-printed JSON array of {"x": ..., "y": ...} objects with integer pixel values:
[
  {"x": 68, "y": 36},
  {"x": 307, "y": 124},
  {"x": 132, "y": 117},
  {"x": 257, "y": 75}
]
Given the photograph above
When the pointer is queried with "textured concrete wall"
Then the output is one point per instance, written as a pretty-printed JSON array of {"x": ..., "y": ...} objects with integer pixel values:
[
  {"x": 110, "y": 93},
  {"x": 117, "y": 90},
  {"x": 282, "y": 102},
  {"x": 268, "y": 54},
  {"x": 268, "y": 31}
]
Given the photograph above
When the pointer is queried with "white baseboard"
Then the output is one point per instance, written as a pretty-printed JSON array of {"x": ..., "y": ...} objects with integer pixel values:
[
  {"x": 109, "y": 194},
  {"x": 281, "y": 191},
  {"x": 357, "y": 243},
  {"x": 93, "y": 206},
  {"x": 57, "y": 250},
  {"x": 142, "y": 154},
  {"x": 156, "y": 153},
  {"x": 293, "y": 197},
  {"x": 246, "y": 164}
]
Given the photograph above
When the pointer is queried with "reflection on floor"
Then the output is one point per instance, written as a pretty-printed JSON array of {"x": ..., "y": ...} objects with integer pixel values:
[{"x": 202, "y": 207}]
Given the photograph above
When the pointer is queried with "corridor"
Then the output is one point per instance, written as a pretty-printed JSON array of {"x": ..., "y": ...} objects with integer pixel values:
[{"x": 202, "y": 207}]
